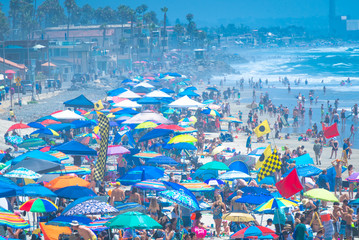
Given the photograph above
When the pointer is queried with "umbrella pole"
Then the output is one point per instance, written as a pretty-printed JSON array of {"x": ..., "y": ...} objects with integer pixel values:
[
  {"x": 280, "y": 228},
  {"x": 262, "y": 218}
]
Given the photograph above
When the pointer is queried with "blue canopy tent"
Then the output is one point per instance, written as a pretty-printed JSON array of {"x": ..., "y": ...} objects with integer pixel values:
[
  {"x": 148, "y": 100},
  {"x": 38, "y": 165},
  {"x": 126, "y": 111},
  {"x": 35, "y": 154},
  {"x": 9, "y": 190},
  {"x": 305, "y": 171},
  {"x": 239, "y": 166},
  {"x": 60, "y": 126},
  {"x": 116, "y": 92},
  {"x": 75, "y": 148},
  {"x": 188, "y": 93},
  {"x": 155, "y": 133},
  {"x": 36, "y": 125},
  {"x": 162, "y": 160},
  {"x": 141, "y": 89},
  {"x": 79, "y": 102},
  {"x": 82, "y": 123}
]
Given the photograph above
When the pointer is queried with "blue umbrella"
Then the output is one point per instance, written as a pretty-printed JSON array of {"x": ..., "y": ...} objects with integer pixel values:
[
  {"x": 37, "y": 190},
  {"x": 141, "y": 173},
  {"x": 188, "y": 93},
  {"x": 181, "y": 198},
  {"x": 254, "y": 199},
  {"x": 36, "y": 125},
  {"x": 191, "y": 88},
  {"x": 90, "y": 207},
  {"x": 155, "y": 133},
  {"x": 166, "y": 90},
  {"x": 162, "y": 160},
  {"x": 214, "y": 182},
  {"x": 74, "y": 192},
  {"x": 181, "y": 146},
  {"x": 84, "y": 199}
]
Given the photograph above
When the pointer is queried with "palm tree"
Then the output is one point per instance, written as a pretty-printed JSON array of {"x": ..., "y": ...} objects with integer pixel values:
[
  {"x": 70, "y": 5},
  {"x": 103, "y": 27},
  {"x": 164, "y": 10}
]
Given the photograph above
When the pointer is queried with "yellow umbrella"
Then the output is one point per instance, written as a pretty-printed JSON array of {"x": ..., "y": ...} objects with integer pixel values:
[
  {"x": 146, "y": 125},
  {"x": 238, "y": 217},
  {"x": 182, "y": 138},
  {"x": 168, "y": 77},
  {"x": 218, "y": 150},
  {"x": 111, "y": 115}
]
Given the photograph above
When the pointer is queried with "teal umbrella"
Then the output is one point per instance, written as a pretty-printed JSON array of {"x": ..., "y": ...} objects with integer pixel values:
[
  {"x": 32, "y": 143},
  {"x": 134, "y": 220}
]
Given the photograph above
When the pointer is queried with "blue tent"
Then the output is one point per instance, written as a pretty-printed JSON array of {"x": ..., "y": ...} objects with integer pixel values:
[
  {"x": 116, "y": 92},
  {"x": 302, "y": 160},
  {"x": 148, "y": 100},
  {"x": 166, "y": 90},
  {"x": 239, "y": 166},
  {"x": 162, "y": 160},
  {"x": 75, "y": 148},
  {"x": 79, "y": 102},
  {"x": 305, "y": 171},
  {"x": 82, "y": 123},
  {"x": 36, "y": 154},
  {"x": 155, "y": 133},
  {"x": 37, "y": 190},
  {"x": 188, "y": 93},
  {"x": 60, "y": 126}
]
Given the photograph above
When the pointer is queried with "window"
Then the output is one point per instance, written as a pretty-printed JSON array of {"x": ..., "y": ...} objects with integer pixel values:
[{"x": 65, "y": 52}]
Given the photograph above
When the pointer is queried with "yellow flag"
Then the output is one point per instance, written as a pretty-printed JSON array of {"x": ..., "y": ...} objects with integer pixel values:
[
  {"x": 96, "y": 129},
  {"x": 98, "y": 105},
  {"x": 266, "y": 153},
  {"x": 262, "y": 129}
]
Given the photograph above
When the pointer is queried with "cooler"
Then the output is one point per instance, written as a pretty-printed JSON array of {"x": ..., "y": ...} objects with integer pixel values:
[{"x": 325, "y": 216}]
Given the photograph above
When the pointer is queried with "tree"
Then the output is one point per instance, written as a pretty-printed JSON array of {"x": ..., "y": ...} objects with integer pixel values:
[
  {"x": 50, "y": 13},
  {"x": 70, "y": 6},
  {"x": 164, "y": 10},
  {"x": 140, "y": 10},
  {"x": 4, "y": 24},
  {"x": 123, "y": 13},
  {"x": 22, "y": 15},
  {"x": 87, "y": 14},
  {"x": 103, "y": 27},
  {"x": 151, "y": 20},
  {"x": 179, "y": 30},
  {"x": 191, "y": 26}
]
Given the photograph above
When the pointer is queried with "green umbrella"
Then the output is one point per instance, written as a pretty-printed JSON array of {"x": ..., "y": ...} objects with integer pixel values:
[
  {"x": 32, "y": 143},
  {"x": 214, "y": 166},
  {"x": 321, "y": 194},
  {"x": 134, "y": 220}
]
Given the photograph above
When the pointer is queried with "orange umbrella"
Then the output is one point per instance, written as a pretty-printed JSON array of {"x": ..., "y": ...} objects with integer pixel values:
[
  {"x": 65, "y": 181},
  {"x": 53, "y": 232},
  {"x": 49, "y": 121},
  {"x": 115, "y": 109}
]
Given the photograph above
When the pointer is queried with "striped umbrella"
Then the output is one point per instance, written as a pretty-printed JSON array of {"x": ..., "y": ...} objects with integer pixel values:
[
  {"x": 38, "y": 205},
  {"x": 181, "y": 198},
  {"x": 276, "y": 203},
  {"x": 196, "y": 186},
  {"x": 23, "y": 173},
  {"x": 147, "y": 154},
  {"x": 12, "y": 220},
  {"x": 151, "y": 185}
]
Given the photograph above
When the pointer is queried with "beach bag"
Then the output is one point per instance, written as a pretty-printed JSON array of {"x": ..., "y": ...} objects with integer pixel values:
[{"x": 200, "y": 232}]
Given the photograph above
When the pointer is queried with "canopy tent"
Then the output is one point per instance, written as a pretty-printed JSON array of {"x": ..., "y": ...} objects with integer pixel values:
[
  {"x": 147, "y": 116},
  {"x": 148, "y": 100},
  {"x": 79, "y": 102},
  {"x": 38, "y": 165},
  {"x": 144, "y": 84},
  {"x": 185, "y": 102},
  {"x": 67, "y": 115},
  {"x": 302, "y": 160},
  {"x": 36, "y": 154},
  {"x": 158, "y": 94},
  {"x": 129, "y": 94},
  {"x": 127, "y": 104},
  {"x": 155, "y": 133},
  {"x": 75, "y": 148},
  {"x": 116, "y": 92},
  {"x": 188, "y": 93}
]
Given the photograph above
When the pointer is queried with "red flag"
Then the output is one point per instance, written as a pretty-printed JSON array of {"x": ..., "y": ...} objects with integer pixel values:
[
  {"x": 331, "y": 131},
  {"x": 289, "y": 185}
]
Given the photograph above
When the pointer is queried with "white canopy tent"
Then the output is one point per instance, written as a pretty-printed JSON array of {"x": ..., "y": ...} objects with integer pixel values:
[
  {"x": 127, "y": 104},
  {"x": 185, "y": 102},
  {"x": 67, "y": 115},
  {"x": 158, "y": 94},
  {"x": 129, "y": 94},
  {"x": 144, "y": 84}
]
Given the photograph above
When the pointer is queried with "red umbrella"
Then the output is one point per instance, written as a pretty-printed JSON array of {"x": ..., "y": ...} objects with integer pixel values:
[
  {"x": 45, "y": 149},
  {"x": 56, "y": 112},
  {"x": 10, "y": 71},
  {"x": 117, "y": 150},
  {"x": 49, "y": 121},
  {"x": 18, "y": 126},
  {"x": 170, "y": 127},
  {"x": 254, "y": 232}
]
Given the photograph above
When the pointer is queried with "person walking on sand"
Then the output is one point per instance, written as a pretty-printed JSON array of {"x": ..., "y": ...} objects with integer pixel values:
[
  {"x": 337, "y": 164},
  {"x": 249, "y": 144},
  {"x": 318, "y": 148}
]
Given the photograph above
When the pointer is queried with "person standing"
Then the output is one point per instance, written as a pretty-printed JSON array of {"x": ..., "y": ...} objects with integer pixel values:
[
  {"x": 117, "y": 195},
  {"x": 322, "y": 181},
  {"x": 218, "y": 208},
  {"x": 300, "y": 232},
  {"x": 318, "y": 148},
  {"x": 337, "y": 164},
  {"x": 249, "y": 144},
  {"x": 121, "y": 165},
  {"x": 335, "y": 146},
  {"x": 84, "y": 231}
]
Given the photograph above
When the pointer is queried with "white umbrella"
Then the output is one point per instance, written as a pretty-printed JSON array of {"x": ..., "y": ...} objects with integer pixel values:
[
  {"x": 185, "y": 102},
  {"x": 233, "y": 175},
  {"x": 67, "y": 114},
  {"x": 144, "y": 84},
  {"x": 158, "y": 94},
  {"x": 148, "y": 116},
  {"x": 127, "y": 104},
  {"x": 23, "y": 173}
]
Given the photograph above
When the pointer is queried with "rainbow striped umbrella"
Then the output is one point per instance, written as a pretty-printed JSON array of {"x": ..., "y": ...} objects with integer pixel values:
[
  {"x": 38, "y": 205},
  {"x": 59, "y": 155},
  {"x": 276, "y": 203},
  {"x": 147, "y": 154},
  {"x": 151, "y": 185},
  {"x": 12, "y": 220}
]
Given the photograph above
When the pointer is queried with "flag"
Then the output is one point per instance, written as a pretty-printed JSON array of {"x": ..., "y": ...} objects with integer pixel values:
[
  {"x": 289, "y": 185},
  {"x": 266, "y": 153},
  {"x": 104, "y": 128},
  {"x": 331, "y": 131},
  {"x": 262, "y": 129},
  {"x": 270, "y": 165},
  {"x": 98, "y": 105}
]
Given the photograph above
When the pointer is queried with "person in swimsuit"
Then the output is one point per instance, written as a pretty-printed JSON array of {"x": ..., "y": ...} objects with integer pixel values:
[
  {"x": 335, "y": 146},
  {"x": 154, "y": 209},
  {"x": 218, "y": 209},
  {"x": 134, "y": 196}
]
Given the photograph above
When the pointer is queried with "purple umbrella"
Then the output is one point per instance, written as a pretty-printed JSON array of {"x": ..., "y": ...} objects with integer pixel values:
[
  {"x": 117, "y": 150},
  {"x": 354, "y": 177}
]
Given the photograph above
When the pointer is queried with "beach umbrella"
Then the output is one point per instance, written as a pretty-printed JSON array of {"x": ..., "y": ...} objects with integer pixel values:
[
  {"x": 146, "y": 125},
  {"x": 117, "y": 150},
  {"x": 214, "y": 182},
  {"x": 134, "y": 220},
  {"x": 170, "y": 127},
  {"x": 147, "y": 154},
  {"x": 212, "y": 89},
  {"x": 17, "y": 126},
  {"x": 12, "y": 220},
  {"x": 151, "y": 185},
  {"x": 36, "y": 125},
  {"x": 37, "y": 190},
  {"x": 66, "y": 220},
  {"x": 72, "y": 169},
  {"x": 184, "y": 146},
  {"x": 88, "y": 138},
  {"x": 276, "y": 203},
  {"x": 48, "y": 117},
  {"x": 218, "y": 150},
  {"x": 141, "y": 173},
  {"x": 32, "y": 143},
  {"x": 253, "y": 232},
  {"x": 215, "y": 165},
  {"x": 181, "y": 198},
  {"x": 211, "y": 112},
  {"x": 155, "y": 133},
  {"x": 321, "y": 194},
  {"x": 38, "y": 205},
  {"x": 130, "y": 207},
  {"x": 44, "y": 132},
  {"x": 37, "y": 165},
  {"x": 238, "y": 217},
  {"x": 230, "y": 119},
  {"x": 90, "y": 207},
  {"x": 354, "y": 177},
  {"x": 22, "y": 173},
  {"x": 14, "y": 139},
  {"x": 196, "y": 186},
  {"x": 50, "y": 122},
  {"x": 182, "y": 138},
  {"x": 74, "y": 192},
  {"x": 66, "y": 181},
  {"x": 231, "y": 175},
  {"x": 166, "y": 90},
  {"x": 162, "y": 160},
  {"x": 254, "y": 199}
]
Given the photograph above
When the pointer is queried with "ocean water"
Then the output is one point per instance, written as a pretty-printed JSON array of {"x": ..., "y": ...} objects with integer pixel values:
[{"x": 320, "y": 66}]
